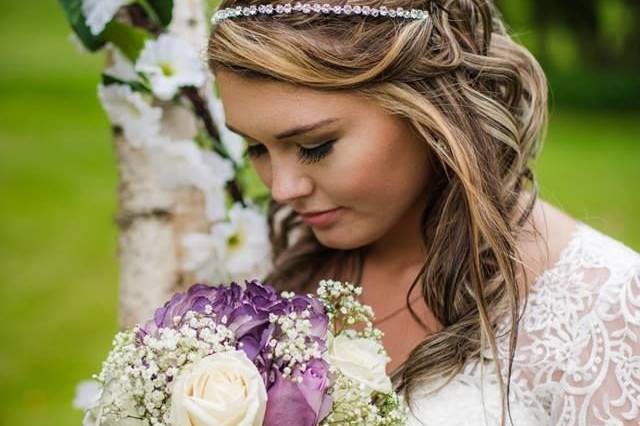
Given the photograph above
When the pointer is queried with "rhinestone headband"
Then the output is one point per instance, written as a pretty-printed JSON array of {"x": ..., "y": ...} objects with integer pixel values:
[{"x": 269, "y": 9}]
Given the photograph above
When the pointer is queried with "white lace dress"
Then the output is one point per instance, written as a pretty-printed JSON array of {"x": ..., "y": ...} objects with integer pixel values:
[{"x": 577, "y": 361}]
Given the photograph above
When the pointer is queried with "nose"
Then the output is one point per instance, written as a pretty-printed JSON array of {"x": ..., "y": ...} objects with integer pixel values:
[{"x": 288, "y": 183}]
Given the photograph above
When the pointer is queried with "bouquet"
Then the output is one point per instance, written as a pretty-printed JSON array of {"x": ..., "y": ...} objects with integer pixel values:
[{"x": 246, "y": 355}]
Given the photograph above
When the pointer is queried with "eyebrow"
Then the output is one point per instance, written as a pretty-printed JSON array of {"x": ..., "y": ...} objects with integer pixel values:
[{"x": 296, "y": 131}]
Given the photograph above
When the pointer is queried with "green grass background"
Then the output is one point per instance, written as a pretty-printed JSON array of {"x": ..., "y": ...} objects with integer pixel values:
[{"x": 58, "y": 268}]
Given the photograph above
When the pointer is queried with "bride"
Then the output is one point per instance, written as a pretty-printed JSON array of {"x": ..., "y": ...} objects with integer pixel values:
[{"x": 398, "y": 155}]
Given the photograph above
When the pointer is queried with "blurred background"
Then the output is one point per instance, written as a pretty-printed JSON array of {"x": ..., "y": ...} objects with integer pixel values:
[{"x": 58, "y": 268}]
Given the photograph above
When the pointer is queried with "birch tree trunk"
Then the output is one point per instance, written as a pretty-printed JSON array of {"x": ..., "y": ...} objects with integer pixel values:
[{"x": 151, "y": 220}]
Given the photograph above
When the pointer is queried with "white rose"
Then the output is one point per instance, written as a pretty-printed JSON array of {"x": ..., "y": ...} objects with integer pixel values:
[
  {"x": 223, "y": 389},
  {"x": 362, "y": 360}
]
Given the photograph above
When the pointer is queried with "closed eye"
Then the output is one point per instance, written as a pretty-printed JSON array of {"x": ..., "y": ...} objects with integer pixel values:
[
  {"x": 255, "y": 151},
  {"x": 305, "y": 155}
]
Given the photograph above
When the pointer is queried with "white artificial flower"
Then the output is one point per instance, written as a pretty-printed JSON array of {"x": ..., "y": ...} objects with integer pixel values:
[
  {"x": 247, "y": 251},
  {"x": 139, "y": 120},
  {"x": 170, "y": 62},
  {"x": 219, "y": 172},
  {"x": 225, "y": 388},
  {"x": 233, "y": 142},
  {"x": 177, "y": 163},
  {"x": 183, "y": 163},
  {"x": 201, "y": 257},
  {"x": 234, "y": 250},
  {"x": 214, "y": 201},
  {"x": 121, "y": 68},
  {"x": 362, "y": 360},
  {"x": 87, "y": 394},
  {"x": 99, "y": 13}
]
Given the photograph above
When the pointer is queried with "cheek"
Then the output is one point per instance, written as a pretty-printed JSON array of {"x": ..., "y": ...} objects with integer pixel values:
[
  {"x": 262, "y": 167},
  {"x": 378, "y": 177},
  {"x": 378, "y": 185}
]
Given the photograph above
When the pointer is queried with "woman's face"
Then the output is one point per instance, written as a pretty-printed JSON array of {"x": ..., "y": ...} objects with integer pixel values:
[{"x": 362, "y": 163}]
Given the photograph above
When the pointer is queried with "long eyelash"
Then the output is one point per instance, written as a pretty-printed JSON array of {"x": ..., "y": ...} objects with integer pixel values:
[
  {"x": 306, "y": 155},
  {"x": 254, "y": 151},
  {"x": 313, "y": 155}
]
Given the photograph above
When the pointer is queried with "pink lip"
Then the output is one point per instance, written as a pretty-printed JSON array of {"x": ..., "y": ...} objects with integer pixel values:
[{"x": 321, "y": 218}]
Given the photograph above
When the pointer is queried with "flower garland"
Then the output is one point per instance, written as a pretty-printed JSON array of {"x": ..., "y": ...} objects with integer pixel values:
[{"x": 154, "y": 73}]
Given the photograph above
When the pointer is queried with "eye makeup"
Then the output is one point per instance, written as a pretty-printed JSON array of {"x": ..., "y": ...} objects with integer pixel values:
[{"x": 305, "y": 155}]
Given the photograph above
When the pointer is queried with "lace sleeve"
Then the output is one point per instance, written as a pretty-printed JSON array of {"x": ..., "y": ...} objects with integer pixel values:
[
  {"x": 577, "y": 361},
  {"x": 600, "y": 384}
]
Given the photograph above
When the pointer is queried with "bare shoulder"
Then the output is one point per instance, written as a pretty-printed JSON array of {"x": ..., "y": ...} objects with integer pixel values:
[
  {"x": 546, "y": 233},
  {"x": 555, "y": 226}
]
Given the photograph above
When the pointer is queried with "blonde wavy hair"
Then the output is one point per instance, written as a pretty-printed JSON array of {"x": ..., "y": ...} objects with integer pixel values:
[{"x": 476, "y": 97}]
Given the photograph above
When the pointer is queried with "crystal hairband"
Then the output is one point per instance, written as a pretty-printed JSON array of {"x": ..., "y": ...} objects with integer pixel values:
[{"x": 269, "y": 9}]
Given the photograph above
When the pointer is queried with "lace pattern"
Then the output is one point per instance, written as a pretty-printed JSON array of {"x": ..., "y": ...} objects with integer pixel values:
[{"x": 577, "y": 361}]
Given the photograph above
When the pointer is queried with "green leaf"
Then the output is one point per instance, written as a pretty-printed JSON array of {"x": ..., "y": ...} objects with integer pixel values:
[
  {"x": 130, "y": 40},
  {"x": 136, "y": 86},
  {"x": 73, "y": 13},
  {"x": 164, "y": 10}
]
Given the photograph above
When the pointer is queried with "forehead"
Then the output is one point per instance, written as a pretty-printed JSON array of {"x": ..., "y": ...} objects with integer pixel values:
[{"x": 271, "y": 106}]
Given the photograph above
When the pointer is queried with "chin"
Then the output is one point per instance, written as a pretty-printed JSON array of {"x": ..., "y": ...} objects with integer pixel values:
[{"x": 339, "y": 239}]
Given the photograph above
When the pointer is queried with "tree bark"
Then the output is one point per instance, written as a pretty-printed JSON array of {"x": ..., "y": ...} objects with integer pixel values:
[{"x": 151, "y": 220}]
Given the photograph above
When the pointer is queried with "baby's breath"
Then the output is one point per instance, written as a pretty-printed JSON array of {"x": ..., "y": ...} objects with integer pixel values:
[
  {"x": 355, "y": 406},
  {"x": 138, "y": 376},
  {"x": 293, "y": 345},
  {"x": 345, "y": 310}
]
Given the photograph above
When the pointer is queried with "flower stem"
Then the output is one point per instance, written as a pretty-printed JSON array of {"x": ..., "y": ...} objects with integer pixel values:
[{"x": 151, "y": 13}]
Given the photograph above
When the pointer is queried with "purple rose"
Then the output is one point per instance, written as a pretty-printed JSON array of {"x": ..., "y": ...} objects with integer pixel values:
[
  {"x": 245, "y": 311},
  {"x": 300, "y": 404},
  {"x": 249, "y": 319},
  {"x": 195, "y": 299}
]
